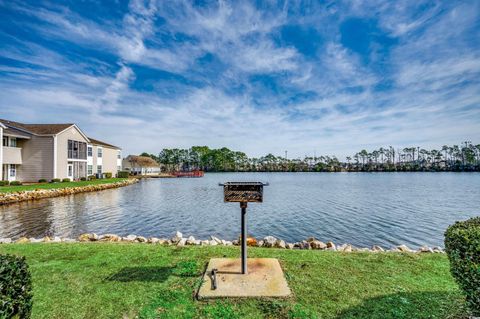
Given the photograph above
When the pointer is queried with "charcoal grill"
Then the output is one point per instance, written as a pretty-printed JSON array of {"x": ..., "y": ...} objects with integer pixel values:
[{"x": 243, "y": 193}]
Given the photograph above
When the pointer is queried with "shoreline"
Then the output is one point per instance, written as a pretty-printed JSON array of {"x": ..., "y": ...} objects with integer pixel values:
[
  {"x": 21, "y": 196},
  {"x": 178, "y": 240}
]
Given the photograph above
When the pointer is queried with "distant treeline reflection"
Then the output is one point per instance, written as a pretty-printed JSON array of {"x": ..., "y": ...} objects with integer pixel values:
[{"x": 465, "y": 157}]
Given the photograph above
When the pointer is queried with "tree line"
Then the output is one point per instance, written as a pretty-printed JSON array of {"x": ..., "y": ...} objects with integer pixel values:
[{"x": 464, "y": 157}]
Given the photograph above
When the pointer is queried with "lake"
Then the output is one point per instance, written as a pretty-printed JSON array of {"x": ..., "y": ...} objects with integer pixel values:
[{"x": 362, "y": 209}]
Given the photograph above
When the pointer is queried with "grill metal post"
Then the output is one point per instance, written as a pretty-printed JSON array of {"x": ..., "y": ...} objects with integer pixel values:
[{"x": 243, "y": 206}]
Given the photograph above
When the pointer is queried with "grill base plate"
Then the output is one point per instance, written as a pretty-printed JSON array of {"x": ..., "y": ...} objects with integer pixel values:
[{"x": 264, "y": 279}]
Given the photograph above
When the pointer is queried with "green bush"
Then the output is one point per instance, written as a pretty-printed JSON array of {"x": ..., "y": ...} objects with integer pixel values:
[
  {"x": 4, "y": 183},
  {"x": 15, "y": 287},
  {"x": 122, "y": 174},
  {"x": 42, "y": 180},
  {"x": 15, "y": 183},
  {"x": 83, "y": 179},
  {"x": 66, "y": 180},
  {"x": 92, "y": 177},
  {"x": 108, "y": 175},
  {"x": 56, "y": 180},
  {"x": 462, "y": 244}
]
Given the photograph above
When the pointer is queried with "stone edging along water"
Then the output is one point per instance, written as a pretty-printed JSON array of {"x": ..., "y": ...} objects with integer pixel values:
[
  {"x": 180, "y": 241},
  {"x": 15, "y": 197}
]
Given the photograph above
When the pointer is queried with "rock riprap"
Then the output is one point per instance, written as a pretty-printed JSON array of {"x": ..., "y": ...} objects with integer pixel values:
[
  {"x": 15, "y": 197},
  {"x": 179, "y": 240}
]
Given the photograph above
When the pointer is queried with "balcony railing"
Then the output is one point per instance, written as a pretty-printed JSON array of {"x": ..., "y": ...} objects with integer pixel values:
[{"x": 12, "y": 155}]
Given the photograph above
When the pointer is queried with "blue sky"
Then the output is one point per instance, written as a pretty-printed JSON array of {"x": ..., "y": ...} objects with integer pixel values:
[{"x": 262, "y": 77}]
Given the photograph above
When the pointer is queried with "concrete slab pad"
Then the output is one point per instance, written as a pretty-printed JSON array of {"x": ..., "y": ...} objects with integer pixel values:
[{"x": 264, "y": 279}]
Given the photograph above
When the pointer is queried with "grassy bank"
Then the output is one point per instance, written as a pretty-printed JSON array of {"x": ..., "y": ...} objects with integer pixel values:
[
  {"x": 102, "y": 280},
  {"x": 10, "y": 189}
]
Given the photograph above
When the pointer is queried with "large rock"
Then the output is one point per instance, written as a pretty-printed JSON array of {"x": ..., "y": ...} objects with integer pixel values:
[
  {"x": 310, "y": 239},
  {"x": 290, "y": 246},
  {"x": 404, "y": 249},
  {"x": 130, "y": 238},
  {"x": 425, "y": 249},
  {"x": 5, "y": 240},
  {"x": 345, "y": 248},
  {"x": 317, "y": 244},
  {"x": 110, "y": 238},
  {"x": 178, "y": 236},
  {"x": 35, "y": 240},
  {"x": 88, "y": 237},
  {"x": 56, "y": 239},
  {"x": 47, "y": 239},
  {"x": 153, "y": 240},
  {"x": 204, "y": 243},
  {"x": 251, "y": 241},
  {"x": 182, "y": 242},
  {"x": 260, "y": 243},
  {"x": 212, "y": 242},
  {"x": 218, "y": 240},
  {"x": 269, "y": 241},
  {"x": 377, "y": 249},
  {"x": 438, "y": 250},
  {"x": 190, "y": 240},
  {"x": 22, "y": 240},
  {"x": 141, "y": 239},
  {"x": 235, "y": 242},
  {"x": 331, "y": 245},
  {"x": 280, "y": 244}
]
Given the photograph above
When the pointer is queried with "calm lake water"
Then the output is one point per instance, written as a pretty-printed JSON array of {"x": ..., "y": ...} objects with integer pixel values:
[{"x": 358, "y": 208}]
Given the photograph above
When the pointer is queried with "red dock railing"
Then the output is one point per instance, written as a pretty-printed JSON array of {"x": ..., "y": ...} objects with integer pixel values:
[{"x": 188, "y": 174}]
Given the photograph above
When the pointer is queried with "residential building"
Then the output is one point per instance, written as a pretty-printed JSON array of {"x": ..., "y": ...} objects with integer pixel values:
[
  {"x": 141, "y": 165},
  {"x": 30, "y": 152}
]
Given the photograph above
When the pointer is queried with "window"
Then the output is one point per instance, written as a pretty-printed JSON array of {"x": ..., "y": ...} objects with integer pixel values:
[
  {"x": 99, "y": 169},
  {"x": 119, "y": 155},
  {"x": 89, "y": 151},
  {"x": 13, "y": 142},
  {"x": 13, "y": 170},
  {"x": 89, "y": 170},
  {"x": 99, "y": 152},
  {"x": 119, "y": 168},
  {"x": 77, "y": 150},
  {"x": 70, "y": 169},
  {"x": 5, "y": 141}
]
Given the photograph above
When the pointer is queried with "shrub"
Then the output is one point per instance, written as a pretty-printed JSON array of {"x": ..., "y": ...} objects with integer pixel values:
[
  {"x": 66, "y": 180},
  {"x": 4, "y": 183},
  {"x": 92, "y": 177},
  {"x": 108, "y": 175},
  {"x": 42, "y": 180},
  {"x": 83, "y": 179},
  {"x": 56, "y": 180},
  {"x": 122, "y": 174},
  {"x": 15, "y": 183},
  {"x": 462, "y": 244},
  {"x": 15, "y": 287}
]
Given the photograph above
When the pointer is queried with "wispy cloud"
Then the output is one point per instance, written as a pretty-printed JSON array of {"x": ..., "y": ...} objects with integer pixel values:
[{"x": 163, "y": 74}]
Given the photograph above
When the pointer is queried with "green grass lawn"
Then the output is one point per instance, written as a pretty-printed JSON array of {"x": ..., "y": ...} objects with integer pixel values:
[
  {"x": 102, "y": 280},
  {"x": 9, "y": 189}
]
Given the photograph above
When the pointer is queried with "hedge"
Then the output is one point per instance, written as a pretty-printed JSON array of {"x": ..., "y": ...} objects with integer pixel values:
[
  {"x": 66, "y": 180},
  {"x": 15, "y": 183},
  {"x": 122, "y": 174},
  {"x": 56, "y": 180},
  {"x": 462, "y": 244},
  {"x": 42, "y": 180},
  {"x": 15, "y": 287},
  {"x": 4, "y": 183}
]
